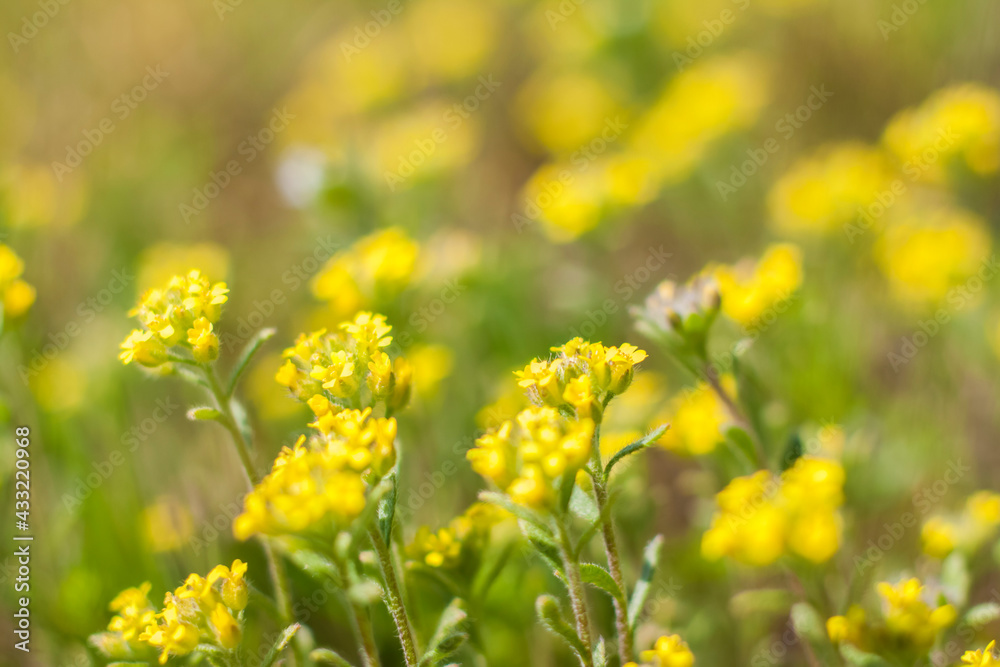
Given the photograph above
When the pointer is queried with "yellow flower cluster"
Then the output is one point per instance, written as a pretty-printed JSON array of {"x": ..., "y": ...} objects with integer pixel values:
[
  {"x": 179, "y": 315},
  {"x": 374, "y": 269},
  {"x": 320, "y": 484},
  {"x": 907, "y": 619},
  {"x": 700, "y": 105},
  {"x": 958, "y": 122},
  {"x": 761, "y": 517},
  {"x": 942, "y": 534},
  {"x": 463, "y": 534},
  {"x": 822, "y": 193},
  {"x": 749, "y": 289},
  {"x": 16, "y": 295},
  {"x": 346, "y": 368},
  {"x": 982, "y": 658},
  {"x": 697, "y": 417},
  {"x": 927, "y": 255},
  {"x": 528, "y": 455},
  {"x": 202, "y": 610},
  {"x": 582, "y": 377},
  {"x": 668, "y": 651}
]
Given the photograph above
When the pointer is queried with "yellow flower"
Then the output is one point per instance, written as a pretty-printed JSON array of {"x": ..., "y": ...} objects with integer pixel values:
[
  {"x": 927, "y": 255},
  {"x": 134, "y": 612},
  {"x": 938, "y": 537},
  {"x": 984, "y": 508},
  {"x": 320, "y": 485},
  {"x": 181, "y": 314},
  {"x": 17, "y": 295},
  {"x": 235, "y": 590},
  {"x": 847, "y": 629},
  {"x": 560, "y": 382},
  {"x": 958, "y": 122},
  {"x": 697, "y": 417},
  {"x": 528, "y": 455},
  {"x": 463, "y": 534},
  {"x": 144, "y": 348},
  {"x": 451, "y": 38},
  {"x": 227, "y": 630},
  {"x": 204, "y": 343},
  {"x": 669, "y": 651},
  {"x": 982, "y": 658},
  {"x": 170, "y": 634},
  {"x": 823, "y": 193},
  {"x": 564, "y": 110},
  {"x": 762, "y": 517},
  {"x": 749, "y": 290},
  {"x": 909, "y": 617},
  {"x": 705, "y": 102},
  {"x": 334, "y": 370}
]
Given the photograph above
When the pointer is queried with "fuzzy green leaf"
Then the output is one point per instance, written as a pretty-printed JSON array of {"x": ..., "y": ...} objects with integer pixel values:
[
  {"x": 280, "y": 645},
  {"x": 325, "y": 655},
  {"x": 449, "y": 636},
  {"x": 641, "y": 443},
  {"x": 246, "y": 355},
  {"x": 597, "y": 576},
  {"x": 650, "y": 561},
  {"x": 551, "y": 617}
]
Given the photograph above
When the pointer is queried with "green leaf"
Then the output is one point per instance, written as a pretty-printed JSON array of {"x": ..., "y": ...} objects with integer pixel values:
[
  {"x": 743, "y": 443},
  {"x": 329, "y": 657},
  {"x": 793, "y": 452},
  {"x": 365, "y": 591},
  {"x": 314, "y": 564},
  {"x": 449, "y": 636},
  {"x": 551, "y": 617},
  {"x": 641, "y": 443},
  {"x": 595, "y": 525},
  {"x": 246, "y": 355},
  {"x": 855, "y": 657},
  {"x": 359, "y": 529},
  {"x": 567, "y": 483},
  {"x": 279, "y": 646},
  {"x": 982, "y": 615},
  {"x": 601, "y": 653},
  {"x": 582, "y": 505},
  {"x": 520, "y": 511},
  {"x": 387, "y": 509},
  {"x": 204, "y": 413},
  {"x": 811, "y": 628},
  {"x": 650, "y": 561},
  {"x": 597, "y": 576}
]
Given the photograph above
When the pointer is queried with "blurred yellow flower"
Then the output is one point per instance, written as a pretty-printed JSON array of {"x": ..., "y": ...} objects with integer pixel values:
[
  {"x": 464, "y": 533},
  {"x": 376, "y": 268},
  {"x": 927, "y": 255},
  {"x": 907, "y": 616},
  {"x": 527, "y": 456},
  {"x": 451, "y": 38},
  {"x": 668, "y": 651},
  {"x": 762, "y": 517},
  {"x": 982, "y": 657},
  {"x": 710, "y": 99},
  {"x": 976, "y": 524},
  {"x": 958, "y": 122},
  {"x": 17, "y": 294},
  {"x": 30, "y": 196},
  {"x": 167, "y": 525},
  {"x": 749, "y": 290},
  {"x": 697, "y": 416},
  {"x": 564, "y": 110},
  {"x": 822, "y": 193},
  {"x": 431, "y": 364}
]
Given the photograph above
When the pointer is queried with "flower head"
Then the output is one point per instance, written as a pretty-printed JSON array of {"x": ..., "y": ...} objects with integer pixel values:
[
  {"x": 181, "y": 315},
  {"x": 531, "y": 454},
  {"x": 347, "y": 367},
  {"x": 15, "y": 294},
  {"x": 668, "y": 651}
]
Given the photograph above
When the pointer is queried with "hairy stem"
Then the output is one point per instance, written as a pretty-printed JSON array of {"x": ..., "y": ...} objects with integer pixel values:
[
  {"x": 577, "y": 598},
  {"x": 611, "y": 549},
  {"x": 274, "y": 564},
  {"x": 394, "y": 597}
]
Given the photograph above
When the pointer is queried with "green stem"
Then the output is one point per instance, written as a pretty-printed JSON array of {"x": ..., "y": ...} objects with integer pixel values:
[
  {"x": 394, "y": 598},
  {"x": 362, "y": 626},
  {"x": 574, "y": 583},
  {"x": 737, "y": 414},
  {"x": 274, "y": 564},
  {"x": 611, "y": 549}
]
